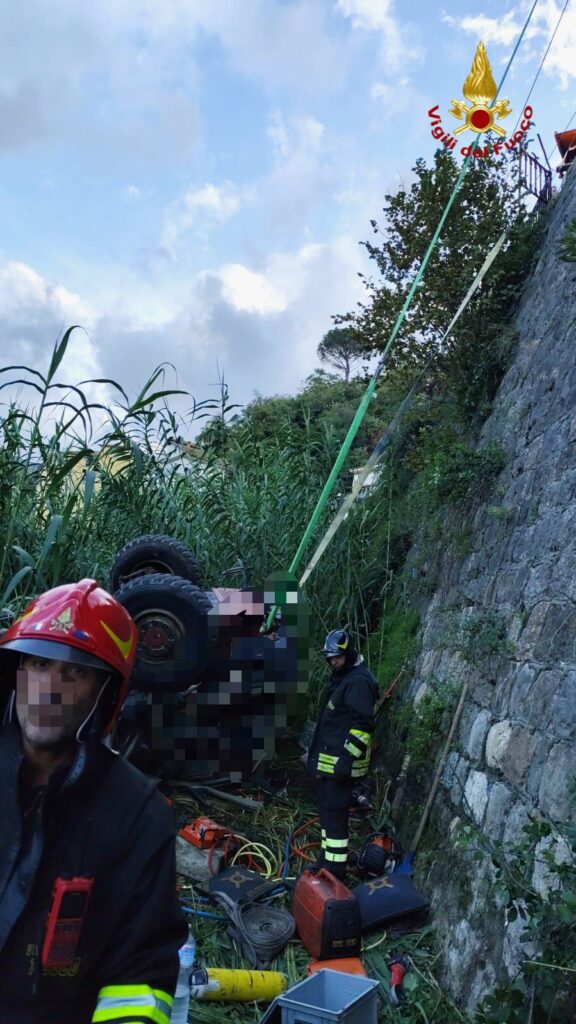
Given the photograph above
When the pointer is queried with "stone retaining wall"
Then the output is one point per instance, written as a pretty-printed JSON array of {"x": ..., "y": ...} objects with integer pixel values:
[{"x": 516, "y": 745}]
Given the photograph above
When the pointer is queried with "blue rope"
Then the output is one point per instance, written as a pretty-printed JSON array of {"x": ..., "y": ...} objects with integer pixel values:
[{"x": 203, "y": 913}]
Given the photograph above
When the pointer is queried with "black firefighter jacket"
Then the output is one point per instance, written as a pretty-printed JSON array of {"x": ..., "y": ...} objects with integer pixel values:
[
  {"x": 102, "y": 819},
  {"x": 342, "y": 740}
]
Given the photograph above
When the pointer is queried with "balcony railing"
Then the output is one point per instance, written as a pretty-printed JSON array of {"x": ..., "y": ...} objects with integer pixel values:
[{"x": 535, "y": 178}]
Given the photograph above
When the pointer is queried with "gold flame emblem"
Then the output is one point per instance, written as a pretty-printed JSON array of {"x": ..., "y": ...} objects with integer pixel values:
[{"x": 480, "y": 89}]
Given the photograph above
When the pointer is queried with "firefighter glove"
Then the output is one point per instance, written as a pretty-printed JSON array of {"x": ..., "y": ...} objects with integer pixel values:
[{"x": 343, "y": 767}]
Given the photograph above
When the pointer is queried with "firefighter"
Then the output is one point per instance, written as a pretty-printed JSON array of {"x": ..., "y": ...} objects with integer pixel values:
[
  {"x": 341, "y": 745},
  {"x": 90, "y": 925}
]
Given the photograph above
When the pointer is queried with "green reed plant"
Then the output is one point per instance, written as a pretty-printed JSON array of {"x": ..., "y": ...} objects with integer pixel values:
[{"x": 78, "y": 476}]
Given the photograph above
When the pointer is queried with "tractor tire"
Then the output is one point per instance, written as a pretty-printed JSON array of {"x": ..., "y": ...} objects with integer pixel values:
[
  {"x": 154, "y": 553},
  {"x": 171, "y": 615}
]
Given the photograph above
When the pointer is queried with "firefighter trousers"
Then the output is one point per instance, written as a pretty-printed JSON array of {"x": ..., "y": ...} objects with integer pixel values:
[{"x": 333, "y": 799}]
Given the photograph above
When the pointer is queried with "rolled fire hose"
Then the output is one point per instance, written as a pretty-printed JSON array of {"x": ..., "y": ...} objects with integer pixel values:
[{"x": 263, "y": 931}]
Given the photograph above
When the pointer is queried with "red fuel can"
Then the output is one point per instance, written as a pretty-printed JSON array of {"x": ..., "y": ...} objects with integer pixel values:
[{"x": 327, "y": 916}]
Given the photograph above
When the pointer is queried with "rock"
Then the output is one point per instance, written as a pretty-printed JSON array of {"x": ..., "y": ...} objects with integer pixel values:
[
  {"x": 497, "y": 744},
  {"x": 532, "y": 631},
  {"x": 544, "y": 879},
  {"x": 537, "y": 709},
  {"x": 420, "y": 694},
  {"x": 476, "y": 795},
  {"x": 449, "y": 771},
  {"x": 519, "y": 753},
  {"x": 458, "y": 786},
  {"x": 514, "y": 950},
  {"x": 193, "y": 863},
  {"x": 563, "y": 707},
  {"x": 558, "y": 634},
  {"x": 520, "y": 702},
  {"x": 484, "y": 980},
  {"x": 477, "y": 737},
  {"x": 555, "y": 796},
  {"x": 454, "y": 830},
  {"x": 499, "y": 803},
  {"x": 517, "y": 818},
  {"x": 534, "y": 775}
]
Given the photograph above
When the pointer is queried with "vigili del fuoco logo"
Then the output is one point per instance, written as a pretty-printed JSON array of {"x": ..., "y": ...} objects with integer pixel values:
[{"x": 481, "y": 114}]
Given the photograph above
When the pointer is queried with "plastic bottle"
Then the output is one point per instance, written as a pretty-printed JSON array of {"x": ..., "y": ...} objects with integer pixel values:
[{"x": 187, "y": 955}]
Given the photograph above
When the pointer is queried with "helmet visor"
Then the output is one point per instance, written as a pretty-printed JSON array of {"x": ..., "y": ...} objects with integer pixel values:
[{"x": 56, "y": 652}]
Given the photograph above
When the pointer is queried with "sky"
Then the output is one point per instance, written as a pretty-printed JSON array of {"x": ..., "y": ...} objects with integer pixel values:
[{"x": 190, "y": 182}]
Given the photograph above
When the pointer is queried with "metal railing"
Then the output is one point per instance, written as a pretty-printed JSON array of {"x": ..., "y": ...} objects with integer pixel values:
[{"x": 534, "y": 177}]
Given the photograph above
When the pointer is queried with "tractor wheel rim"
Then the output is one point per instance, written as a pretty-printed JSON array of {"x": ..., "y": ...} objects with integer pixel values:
[{"x": 158, "y": 632}]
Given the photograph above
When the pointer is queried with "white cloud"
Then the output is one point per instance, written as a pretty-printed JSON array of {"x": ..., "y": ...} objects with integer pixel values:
[
  {"x": 280, "y": 284},
  {"x": 284, "y": 45},
  {"x": 394, "y": 106},
  {"x": 388, "y": 93},
  {"x": 96, "y": 75},
  {"x": 502, "y": 31},
  {"x": 21, "y": 289},
  {"x": 264, "y": 326},
  {"x": 198, "y": 209},
  {"x": 505, "y": 30},
  {"x": 367, "y": 14},
  {"x": 261, "y": 325},
  {"x": 260, "y": 321},
  {"x": 396, "y": 49},
  {"x": 303, "y": 135},
  {"x": 305, "y": 165},
  {"x": 221, "y": 201},
  {"x": 127, "y": 74},
  {"x": 278, "y": 133},
  {"x": 562, "y": 56},
  {"x": 131, "y": 194},
  {"x": 249, "y": 292},
  {"x": 34, "y": 313}
]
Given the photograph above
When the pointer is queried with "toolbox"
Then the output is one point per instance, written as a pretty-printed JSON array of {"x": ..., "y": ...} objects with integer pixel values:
[{"x": 328, "y": 997}]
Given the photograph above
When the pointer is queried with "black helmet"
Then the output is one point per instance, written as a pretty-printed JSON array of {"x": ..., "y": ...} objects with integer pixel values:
[{"x": 339, "y": 642}]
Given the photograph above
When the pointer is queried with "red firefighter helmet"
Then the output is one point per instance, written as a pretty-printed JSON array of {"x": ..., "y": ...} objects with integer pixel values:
[{"x": 82, "y": 623}]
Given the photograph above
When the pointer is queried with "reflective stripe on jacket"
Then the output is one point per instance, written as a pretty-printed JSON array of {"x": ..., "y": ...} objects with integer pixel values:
[
  {"x": 342, "y": 741},
  {"x": 137, "y": 1002}
]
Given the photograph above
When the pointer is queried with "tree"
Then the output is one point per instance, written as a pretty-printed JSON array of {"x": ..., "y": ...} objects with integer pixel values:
[
  {"x": 483, "y": 208},
  {"x": 341, "y": 347}
]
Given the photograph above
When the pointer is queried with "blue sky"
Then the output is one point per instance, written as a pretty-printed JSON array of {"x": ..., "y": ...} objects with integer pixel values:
[{"x": 190, "y": 180}]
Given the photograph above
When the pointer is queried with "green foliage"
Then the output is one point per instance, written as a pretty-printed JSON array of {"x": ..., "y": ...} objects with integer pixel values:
[
  {"x": 456, "y": 470},
  {"x": 568, "y": 244},
  {"x": 480, "y": 636},
  {"x": 471, "y": 361},
  {"x": 546, "y": 983},
  {"x": 341, "y": 347},
  {"x": 319, "y": 415},
  {"x": 425, "y": 1003},
  {"x": 426, "y": 722},
  {"x": 391, "y": 647}
]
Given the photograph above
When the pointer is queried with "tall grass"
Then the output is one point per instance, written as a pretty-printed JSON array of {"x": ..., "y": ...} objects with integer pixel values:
[{"x": 80, "y": 478}]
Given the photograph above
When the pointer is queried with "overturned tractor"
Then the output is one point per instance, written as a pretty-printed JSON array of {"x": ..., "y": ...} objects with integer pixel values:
[{"x": 214, "y": 683}]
